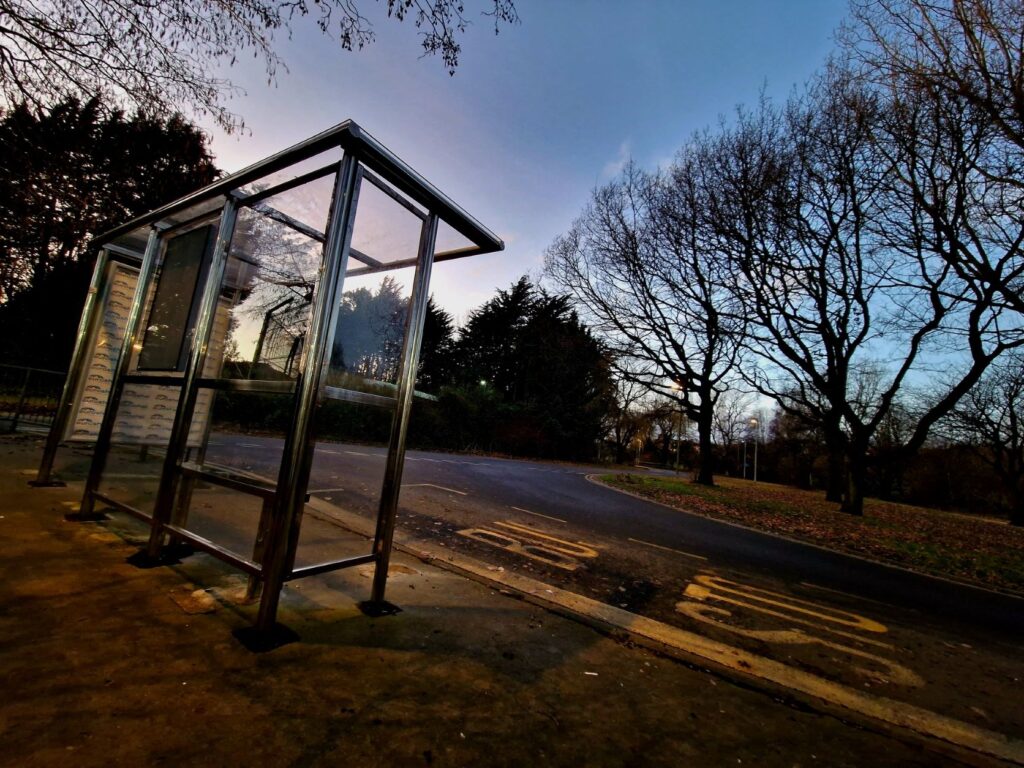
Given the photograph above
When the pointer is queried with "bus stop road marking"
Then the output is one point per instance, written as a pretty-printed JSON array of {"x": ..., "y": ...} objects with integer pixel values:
[
  {"x": 817, "y": 692},
  {"x": 770, "y": 602},
  {"x": 820, "y": 694},
  {"x": 668, "y": 549}
]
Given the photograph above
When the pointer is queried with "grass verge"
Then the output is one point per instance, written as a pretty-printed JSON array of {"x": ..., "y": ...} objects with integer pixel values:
[{"x": 978, "y": 550}]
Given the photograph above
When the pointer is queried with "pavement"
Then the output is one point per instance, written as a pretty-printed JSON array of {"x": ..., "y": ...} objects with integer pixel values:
[{"x": 107, "y": 664}]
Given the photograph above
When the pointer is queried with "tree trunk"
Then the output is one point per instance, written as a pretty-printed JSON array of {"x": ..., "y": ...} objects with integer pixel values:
[
  {"x": 835, "y": 482},
  {"x": 1017, "y": 504},
  {"x": 836, "y": 446},
  {"x": 706, "y": 470},
  {"x": 856, "y": 471}
]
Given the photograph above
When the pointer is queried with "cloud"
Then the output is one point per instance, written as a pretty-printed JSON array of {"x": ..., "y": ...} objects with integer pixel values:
[{"x": 614, "y": 167}]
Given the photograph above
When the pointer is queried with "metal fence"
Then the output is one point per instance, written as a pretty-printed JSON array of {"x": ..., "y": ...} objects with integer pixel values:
[{"x": 28, "y": 397}]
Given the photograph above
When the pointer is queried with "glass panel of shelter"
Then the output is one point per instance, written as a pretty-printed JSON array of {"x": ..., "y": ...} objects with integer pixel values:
[
  {"x": 147, "y": 396},
  {"x": 247, "y": 338},
  {"x": 354, "y": 421},
  {"x": 255, "y": 356},
  {"x": 324, "y": 163}
]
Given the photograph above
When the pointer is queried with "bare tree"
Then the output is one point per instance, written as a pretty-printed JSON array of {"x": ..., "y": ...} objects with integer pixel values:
[
  {"x": 963, "y": 60},
  {"x": 794, "y": 192},
  {"x": 844, "y": 215},
  {"x": 161, "y": 56},
  {"x": 732, "y": 416},
  {"x": 622, "y": 420},
  {"x": 669, "y": 425},
  {"x": 969, "y": 50},
  {"x": 990, "y": 419},
  {"x": 637, "y": 265},
  {"x": 955, "y": 235}
]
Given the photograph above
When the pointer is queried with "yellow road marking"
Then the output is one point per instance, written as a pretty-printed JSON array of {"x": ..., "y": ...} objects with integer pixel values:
[
  {"x": 894, "y": 672},
  {"x": 697, "y": 648},
  {"x": 788, "y": 603},
  {"x": 701, "y": 593},
  {"x": 531, "y": 543},
  {"x": 536, "y": 552},
  {"x": 572, "y": 549},
  {"x": 707, "y": 587}
]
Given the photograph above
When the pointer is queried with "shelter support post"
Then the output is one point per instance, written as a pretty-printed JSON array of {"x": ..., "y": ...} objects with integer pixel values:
[
  {"x": 131, "y": 333},
  {"x": 91, "y": 313},
  {"x": 297, "y": 459},
  {"x": 182, "y": 423},
  {"x": 400, "y": 422}
]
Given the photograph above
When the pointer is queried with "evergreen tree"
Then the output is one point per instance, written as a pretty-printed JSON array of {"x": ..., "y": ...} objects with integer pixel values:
[
  {"x": 545, "y": 377},
  {"x": 66, "y": 176},
  {"x": 437, "y": 362}
]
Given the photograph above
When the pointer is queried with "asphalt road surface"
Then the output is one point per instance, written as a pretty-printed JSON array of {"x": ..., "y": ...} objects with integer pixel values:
[
  {"x": 948, "y": 647},
  {"x": 350, "y": 475}
]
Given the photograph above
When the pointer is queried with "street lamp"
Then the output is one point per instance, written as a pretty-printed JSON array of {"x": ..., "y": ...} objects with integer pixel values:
[{"x": 754, "y": 424}]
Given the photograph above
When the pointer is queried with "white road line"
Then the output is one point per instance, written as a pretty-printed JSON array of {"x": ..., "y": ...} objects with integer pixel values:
[
  {"x": 537, "y": 514},
  {"x": 248, "y": 445},
  {"x": 327, "y": 490},
  {"x": 850, "y": 595},
  {"x": 431, "y": 485},
  {"x": 357, "y": 453},
  {"x": 669, "y": 549},
  {"x": 332, "y": 453}
]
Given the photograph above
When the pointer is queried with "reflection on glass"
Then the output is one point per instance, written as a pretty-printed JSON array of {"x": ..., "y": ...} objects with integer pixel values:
[
  {"x": 370, "y": 331},
  {"x": 246, "y": 433},
  {"x": 306, "y": 208},
  {"x": 174, "y": 305},
  {"x": 269, "y": 283}
]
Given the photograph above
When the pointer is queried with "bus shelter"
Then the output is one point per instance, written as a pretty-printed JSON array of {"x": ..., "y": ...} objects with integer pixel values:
[{"x": 240, "y": 290}]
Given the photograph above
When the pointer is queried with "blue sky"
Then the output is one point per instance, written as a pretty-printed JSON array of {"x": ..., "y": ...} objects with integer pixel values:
[{"x": 538, "y": 116}]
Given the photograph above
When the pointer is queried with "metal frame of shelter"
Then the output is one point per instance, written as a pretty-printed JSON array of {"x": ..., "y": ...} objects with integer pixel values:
[{"x": 362, "y": 160}]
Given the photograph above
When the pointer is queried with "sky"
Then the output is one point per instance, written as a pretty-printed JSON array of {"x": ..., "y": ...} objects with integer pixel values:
[{"x": 538, "y": 116}]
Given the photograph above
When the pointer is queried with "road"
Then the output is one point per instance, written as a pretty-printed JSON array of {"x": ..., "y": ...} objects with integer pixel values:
[
  {"x": 561, "y": 493},
  {"x": 948, "y": 647}
]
